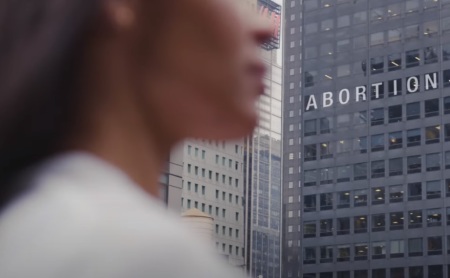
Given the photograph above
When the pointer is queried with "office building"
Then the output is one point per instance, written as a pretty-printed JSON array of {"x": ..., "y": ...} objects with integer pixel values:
[{"x": 366, "y": 139}]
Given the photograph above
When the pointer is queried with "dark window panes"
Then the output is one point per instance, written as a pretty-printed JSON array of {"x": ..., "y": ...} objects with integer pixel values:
[
  {"x": 416, "y": 272},
  {"x": 310, "y": 5},
  {"x": 395, "y": 62},
  {"x": 377, "y": 65},
  {"x": 343, "y": 173},
  {"x": 413, "y": 137},
  {"x": 378, "y": 250},
  {"x": 397, "y": 249},
  {"x": 326, "y": 201},
  {"x": 310, "y": 152},
  {"x": 378, "y": 169},
  {"x": 446, "y": 78},
  {"x": 361, "y": 274},
  {"x": 448, "y": 217},
  {"x": 447, "y": 105},
  {"x": 395, "y": 113},
  {"x": 310, "y": 178},
  {"x": 360, "y": 144},
  {"x": 309, "y": 203},
  {"x": 378, "y": 195},
  {"x": 309, "y": 255},
  {"x": 361, "y": 252},
  {"x": 326, "y": 275},
  {"x": 415, "y": 219},
  {"x": 377, "y": 142},
  {"x": 395, "y": 87},
  {"x": 343, "y": 274},
  {"x": 343, "y": 199},
  {"x": 309, "y": 229},
  {"x": 360, "y": 198},
  {"x": 310, "y": 77},
  {"x": 395, "y": 166},
  {"x": 326, "y": 125},
  {"x": 414, "y": 164},
  {"x": 326, "y": 175},
  {"x": 343, "y": 253},
  {"x": 447, "y": 187},
  {"x": 326, "y": 254},
  {"x": 415, "y": 191},
  {"x": 434, "y": 217},
  {"x": 326, "y": 150},
  {"x": 432, "y": 134},
  {"x": 433, "y": 189},
  {"x": 377, "y": 116},
  {"x": 396, "y": 220},
  {"x": 377, "y": 91},
  {"x": 432, "y": 107},
  {"x": 430, "y": 54},
  {"x": 435, "y": 271},
  {"x": 413, "y": 111},
  {"x": 446, "y": 52},
  {"x": 343, "y": 226},
  {"x": 360, "y": 171},
  {"x": 379, "y": 273},
  {"x": 309, "y": 275},
  {"x": 396, "y": 193},
  {"x": 326, "y": 227},
  {"x": 310, "y": 127},
  {"x": 378, "y": 222},
  {"x": 398, "y": 272},
  {"x": 412, "y": 58},
  {"x": 433, "y": 162},
  {"x": 395, "y": 140},
  {"x": 360, "y": 224},
  {"x": 434, "y": 245},
  {"x": 415, "y": 247}
]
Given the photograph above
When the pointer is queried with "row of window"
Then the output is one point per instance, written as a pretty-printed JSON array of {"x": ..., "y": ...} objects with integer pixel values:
[
  {"x": 378, "y": 116},
  {"x": 196, "y": 171},
  {"x": 376, "y": 196},
  {"x": 230, "y": 231},
  {"x": 196, "y": 188},
  {"x": 377, "y": 250},
  {"x": 379, "y": 223},
  {"x": 202, "y": 206},
  {"x": 433, "y": 271},
  {"x": 230, "y": 249}
]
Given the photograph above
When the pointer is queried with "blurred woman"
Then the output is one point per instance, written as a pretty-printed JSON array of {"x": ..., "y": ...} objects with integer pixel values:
[{"x": 93, "y": 95}]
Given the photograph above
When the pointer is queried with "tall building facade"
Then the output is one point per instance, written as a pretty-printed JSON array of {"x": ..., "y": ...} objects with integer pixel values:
[
  {"x": 366, "y": 139},
  {"x": 263, "y": 166},
  {"x": 213, "y": 182}
]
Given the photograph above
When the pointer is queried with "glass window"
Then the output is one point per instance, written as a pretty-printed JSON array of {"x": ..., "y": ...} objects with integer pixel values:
[
  {"x": 414, "y": 137},
  {"x": 311, "y": 28},
  {"x": 377, "y": 142},
  {"x": 396, "y": 193},
  {"x": 447, "y": 105},
  {"x": 326, "y": 125},
  {"x": 361, "y": 251},
  {"x": 414, "y": 164},
  {"x": 447, "y": 160},
  {"x": 395, "y": 35},
  {"x": 431, "y": 28},
  {"x": 416, "y": 272},
  {"x": 433, "y": 162},
  {"x": 415, "y": 247},
  {"x": 413, "y": 111},
  {"x": 415, "y": 191},
  {"x": 326, "y": 254},
  {"x": 309, "y": 229},
  {"x": 396, "y": 220},
  {"x": 378, "y": 250},
  {"x": 433, "y": 189},
  {"x": 446, "y": 78},
  {"x": 360, "y": 197},
  {"x": 377, "y": 39},
  {"x": 327, "y": 25},
  {"x": 435, "y": 271},
  {"x": 361, "y": 144},
  {"x": 378, "y": 169},
  {"x": 395, "y": 87},
  {"x": 343, "y": 120},
  {"x": 395, "y": 10},
  {"x": 395, "y": 113},
  {"x": 343, "y": 70},
  {"x": 343, "y": 173},
  {"x": 326, "y": 175},
  {"x": 360, "y": 224},
  {"x": 343, "y": 274},
  {"x": 310, "y": 5},
  {"x": 432, "y": 107},
  {"x": 377, "y": 14},
  {"x": 343, "y": 253},
  {"x": 447, "y": 132},
  {"x": 432, "y": 134},
  {"x": 434, "y": 217},
  {"x": 326, "y": 150},
  {"x": 377, "y": 65},
  {"x": 360, "y": 42},
  {"x": 326, "y": 227},
  {"x": 378, "y": 194},
  {"x": 379, "y": 273},
  {"x": 343, "y": 21},
  {"x": 360, "y": 117},
  {"x": 343, "y": 226},
  {"x": 360, "y": 171},
  {"x": 448, "y": 217},
  {"x": 434, "y": 245},
  {"x": 412, "y": 6},
  {"x": 395, "y": 62},
  {"x": 377, "y": 116},
  {"x": 429, "y": 4},
  {"x": 310, "y": 127},
  {"x": 395, "y": 166},
  {"x": 343, "y": 199},
  {"x": 309, "y": 203},
  {"x": 359, "y": 17},
  {"x": 310, "y": 152},
  {"x": 310, "y": 178},
  {"x": 431, "y": 55},
  {"x": 309, "y": 255},
  {"x": 343, "y": 146},
  {"x": 326, "y": 49},
  {"x": 395, "y": 140},
  {"x": 378, "y": 222},
  {"x": 415, "y": 219},
  {"x": 397, "y": 272},
  {"x": 397, "y": 249},
  {"x": 361, "y": 274},
  {"x": 326, "y": 201},
  {"x": 446, "y": 52},
  {"x": 310, "y": 77},
  {"x": 412, "y": 58},
  {"x": 412, "y": 32}
]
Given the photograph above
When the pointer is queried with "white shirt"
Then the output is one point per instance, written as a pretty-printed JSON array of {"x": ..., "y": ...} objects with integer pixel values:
[{"x": 83, "y": 218}]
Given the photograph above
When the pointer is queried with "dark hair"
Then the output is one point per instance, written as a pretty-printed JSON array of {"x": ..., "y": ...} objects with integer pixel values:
[{"x": 41, "y": 46}]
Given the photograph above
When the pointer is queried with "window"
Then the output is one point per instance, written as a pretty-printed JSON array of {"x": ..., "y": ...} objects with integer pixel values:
[
  {"x": 447, "y": 187},
  {"x": 343, "y": 274},
  {"x": 343, "y": 226},
  {"x": 379, "y": 273},
  {"x": 396, "y": 193},
  {"x": 326, "y": 227},
  {"x": 377, "y": 39},
  {"x": 361, "y": 274},
  {"x": 310, "y": 127},
  {"x": 412, "y": 32},
  {"x": 309, "y": 203},
  {"x": 395, "y": 140},
  {"x": 343, "y": 146},
  {"x": 343, "y": 199},
  {"x": 326, "y": 125},
  {"x": 414, "y": 137},
  {"x": 309, "y": 254},
  {"x": 397, "y": 249},
  {"x": 359, "y": 17},
  {"x": 377, "y": 91},
  {"x": 447, "y": 132},
  {"x": 378, "y": 169},
  {"x": 310, "y": 178},
  {"x": 378, "y": 194},
  {"x": 360, "y": 171},
  {"x": 435, "y": 271},
  {"x": 361, "y": 252},
  {"x": 360, "y": 117},
  {"x": 434, "y": 217},
  {"x": 446, "y": 78},
  {"x": 414, "y": 191},
  {"x": 377, "y": 116},
  {"x": 431, "y": 52},
  {"x": 343, "y": 173},
  {"x": 447, "y": 160},
  {"x": 432, "y": 107},
  {"x": 433, "y": 162},
  {"x": 415, "y": 247},
  {"x": 310, "y": 229},
  {"x": 435, "y": 245},
  {"x": 326, "y": 201},
  {"x": 326, "y": 175},
  {"x": 360, "y": 197},
  {"x": 361, "y": 144},
  {"x": 377, "y": 65},
  {"x": 413, "y": 111},
  {"x": 310, "y": 152},
  {"x": 326, "y": 150},
  {"x": 343, "y": 21},
  {"x": 360, "y": 224},
  {"x": 446, "y": 52},
  {"x": 415, "y": 219},
  {"x": 378, "y": 250},
  {"x": 398, "y": 272},
  {"x": 326, "y": 254},
  {"x": 378, "y": 222},
  {"x": 433, "y": 189},
  {"x": 414, "y": 164},
  {"x": 395, "y": 166},
  {"x": 396, "y": 220},
  {"x": 343, "y": 253},
  {"x": 377, "y": 142},
  {"x": 395, "y": 62},
  {"x": 416, "y": 272},
  {"x": 395, "y": 113},
  {"x": 412, "y": 58}
]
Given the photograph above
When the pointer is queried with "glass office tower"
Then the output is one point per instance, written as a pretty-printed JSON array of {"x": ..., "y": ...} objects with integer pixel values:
[{"x": 366, "y": 139}]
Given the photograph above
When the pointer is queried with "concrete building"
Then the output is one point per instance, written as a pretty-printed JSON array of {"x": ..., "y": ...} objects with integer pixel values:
[{"x": 366, "y": 139}]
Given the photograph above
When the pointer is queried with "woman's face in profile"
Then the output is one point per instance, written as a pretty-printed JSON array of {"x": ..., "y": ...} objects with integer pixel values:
[{"x": 205, "y": 70}]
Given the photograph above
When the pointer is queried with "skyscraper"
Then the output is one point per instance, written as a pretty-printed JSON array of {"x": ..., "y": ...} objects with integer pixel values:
[{"x": 366, "y": 132}]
